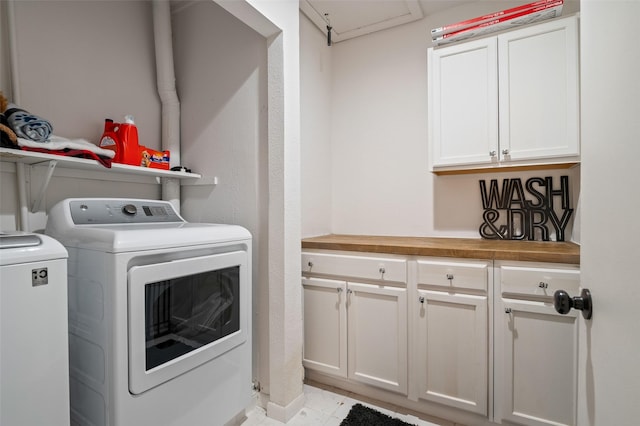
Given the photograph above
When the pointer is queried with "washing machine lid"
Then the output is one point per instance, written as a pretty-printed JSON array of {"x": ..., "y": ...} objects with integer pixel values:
[
  {"x": 23, "y": 247},
  {"x": 126, "y": 225},
  {"x": 17, "y": 239},
  {"x": 129, "y": 238}
]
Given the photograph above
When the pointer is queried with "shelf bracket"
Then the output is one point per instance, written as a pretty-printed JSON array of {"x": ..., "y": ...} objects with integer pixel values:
[
  {"x": 203, "y": 181},
  {"x": 51, "y": 166}
]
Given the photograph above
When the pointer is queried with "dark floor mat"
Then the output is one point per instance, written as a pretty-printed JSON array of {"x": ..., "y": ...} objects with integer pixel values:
[{"x": 365, "y": 416}]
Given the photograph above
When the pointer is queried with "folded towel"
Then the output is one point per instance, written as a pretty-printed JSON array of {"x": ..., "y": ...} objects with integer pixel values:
[
  {"x": 69, "y": 147},
  {"x": 79, "y": 153},
  {"x": 27, "y": 125},
  {"x": 57, "y": 143}
]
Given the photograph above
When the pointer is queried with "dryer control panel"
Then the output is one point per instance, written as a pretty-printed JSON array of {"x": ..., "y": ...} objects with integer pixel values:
[{"x": 115, "y": 211}]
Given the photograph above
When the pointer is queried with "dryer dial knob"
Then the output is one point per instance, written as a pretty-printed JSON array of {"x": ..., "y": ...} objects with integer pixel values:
[{"x": 129, "y": 209}]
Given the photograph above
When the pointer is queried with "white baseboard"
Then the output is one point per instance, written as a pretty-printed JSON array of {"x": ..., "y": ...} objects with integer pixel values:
[{"x": 284, "y": 414}]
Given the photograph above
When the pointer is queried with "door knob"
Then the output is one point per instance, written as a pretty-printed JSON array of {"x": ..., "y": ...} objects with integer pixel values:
[{"x": 563, "y": 302}]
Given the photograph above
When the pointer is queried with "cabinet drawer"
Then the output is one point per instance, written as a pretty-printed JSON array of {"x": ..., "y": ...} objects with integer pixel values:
[
  {"x": 538, "y": 281},
  {"x": 460, "y": 275},
  {"x": 366, "y": 267}
]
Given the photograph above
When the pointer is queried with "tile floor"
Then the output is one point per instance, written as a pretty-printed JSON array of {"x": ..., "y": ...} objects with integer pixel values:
[{"x": 326, "y": 406}]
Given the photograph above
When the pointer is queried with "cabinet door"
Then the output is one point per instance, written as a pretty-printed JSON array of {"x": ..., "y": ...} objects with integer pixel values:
[
  {"x": 377, "y": 336},
  {"x": 536, "y": 364},
  {"x": 539, "y": 91},
  {"x": 325, "y": 326},
  {"x": 453, "y": 349},
  {"x": 463, "y": 103}
]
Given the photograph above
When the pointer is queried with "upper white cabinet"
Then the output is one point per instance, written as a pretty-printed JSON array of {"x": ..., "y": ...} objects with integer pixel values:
[
  {"x": 539, "y": 91},
  {"x": 463, "y": 103},
  {"x": 511, "y": 99}
]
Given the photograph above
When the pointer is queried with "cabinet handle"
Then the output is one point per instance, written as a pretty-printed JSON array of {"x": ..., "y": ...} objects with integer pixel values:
[
  {"x": 421, "y": 299},
  {"x": 542, "y": 284},
  {"x": 339, "y": 289},
  {"x": 381, "y": 270},
  {"x": 310, "y": 264},
  {"x": 505, "y": 152},
  {"x": 492, "y": 153},
  {"x": 450, "y": 277},
  {"x": 349, "y": 291},
  {"x": 507, "y": 310}
]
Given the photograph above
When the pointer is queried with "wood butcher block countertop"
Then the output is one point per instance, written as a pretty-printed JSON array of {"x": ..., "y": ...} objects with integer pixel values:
[{"x": 529, "y": 251}]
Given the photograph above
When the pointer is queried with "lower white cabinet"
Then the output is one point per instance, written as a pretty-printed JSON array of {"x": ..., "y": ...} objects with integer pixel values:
[
  {"x": 377, "y": 335},
  {"x": 453, "y": 333},
  {"x": 485, "y": 337},
  {"x": 325, "y": 326},
  {"x": 356, "y": 330},
  {"x": 536, "y": 348}
]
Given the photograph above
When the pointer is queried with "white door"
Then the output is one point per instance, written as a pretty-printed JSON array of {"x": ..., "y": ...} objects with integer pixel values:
[
  {"x": 325, "y": 326},
  {"x": 453, "y": 349},
  {"x": 539, "y": 99},
  {"x": 609, "y": 381},
  {"x": 463, "y": 108},
  {"x": 377, "y": 335}
]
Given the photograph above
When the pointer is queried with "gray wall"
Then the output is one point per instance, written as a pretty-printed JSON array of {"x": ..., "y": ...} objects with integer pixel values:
[{"x": 221, "y": 81}]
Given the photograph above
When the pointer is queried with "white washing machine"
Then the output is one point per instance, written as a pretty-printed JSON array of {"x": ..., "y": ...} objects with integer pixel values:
[
  {"x": 159, "y": 314},
  {"x": 34, "y": 354}
]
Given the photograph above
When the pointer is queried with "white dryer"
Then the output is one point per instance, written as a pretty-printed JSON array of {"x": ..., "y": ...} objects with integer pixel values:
[
  {"x": 159, "y": 314},
  {"x": 34, "y": 354}
]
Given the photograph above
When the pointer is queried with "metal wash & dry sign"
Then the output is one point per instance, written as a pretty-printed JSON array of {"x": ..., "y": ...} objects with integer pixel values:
[{"x": 525, "y": 212}]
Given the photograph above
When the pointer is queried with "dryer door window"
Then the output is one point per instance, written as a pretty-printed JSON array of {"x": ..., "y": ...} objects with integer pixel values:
[
  {"x": 184, "y": 313},
  {"x": 187, "y": 313}
]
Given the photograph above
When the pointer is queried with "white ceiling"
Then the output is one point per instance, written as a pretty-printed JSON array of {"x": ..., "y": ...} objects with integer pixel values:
[{"x": 353, "y": 18}]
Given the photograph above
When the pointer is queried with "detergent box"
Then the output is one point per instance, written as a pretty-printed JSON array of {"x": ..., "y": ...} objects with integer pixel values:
[{"x": 154, "y": 159}]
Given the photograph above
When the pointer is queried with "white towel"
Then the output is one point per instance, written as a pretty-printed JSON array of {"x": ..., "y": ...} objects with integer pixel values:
[{"x": 57, "y": 143}]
